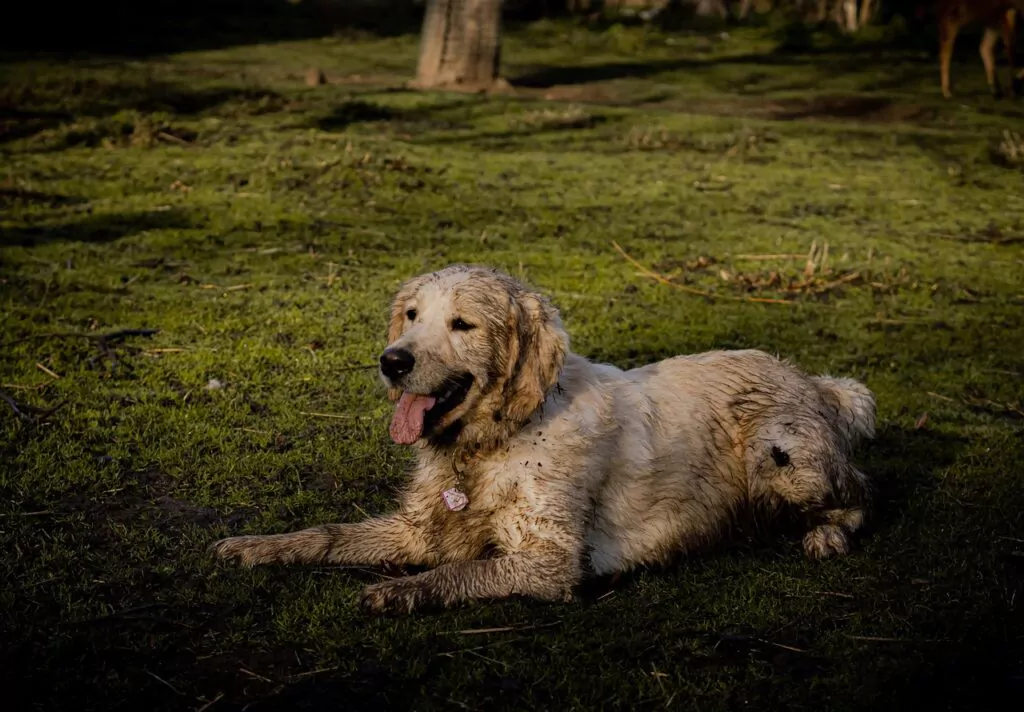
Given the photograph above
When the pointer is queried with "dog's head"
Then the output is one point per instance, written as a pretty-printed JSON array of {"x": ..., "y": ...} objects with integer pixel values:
[{"x": 468, "y": 348}]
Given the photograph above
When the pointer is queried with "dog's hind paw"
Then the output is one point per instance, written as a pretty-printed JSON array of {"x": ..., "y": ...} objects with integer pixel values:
[
  {"x": 826, "y": 540},
  {"x": 399, "y": 596}
]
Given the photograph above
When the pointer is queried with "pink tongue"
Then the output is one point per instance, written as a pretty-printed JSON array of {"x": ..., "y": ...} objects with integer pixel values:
[{"x": 407, "y": 424}]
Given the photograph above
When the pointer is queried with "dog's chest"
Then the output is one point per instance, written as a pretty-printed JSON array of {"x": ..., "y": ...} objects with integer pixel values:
[{"x": 497, "y": 512}]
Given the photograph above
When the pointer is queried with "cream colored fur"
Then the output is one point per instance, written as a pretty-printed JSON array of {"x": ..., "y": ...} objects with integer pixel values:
[{"x": 574, "y": 468}]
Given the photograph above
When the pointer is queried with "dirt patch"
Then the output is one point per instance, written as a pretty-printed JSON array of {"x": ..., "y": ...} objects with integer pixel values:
[
  {"x": 874, "y": 109},
  {"x": 821, "y": 108},
  {"x": 144, "y": 500},
  {"x": 590, "y": 94},
  {"x": 824, "y": 108}
]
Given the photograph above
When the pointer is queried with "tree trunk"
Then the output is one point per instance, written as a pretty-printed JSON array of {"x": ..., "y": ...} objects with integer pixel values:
[
  {"x": 460, "y": 45},
  {"x": 846, "y": 15},
  {"x": 709, "y": 8},
  {"x": 867, "y": 12},
  {"x": 741, "y": 10}
]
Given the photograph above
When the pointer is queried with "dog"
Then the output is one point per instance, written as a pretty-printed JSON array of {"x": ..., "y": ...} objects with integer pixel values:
[
  {"x": 537, "y": 469},
  {"x": 999, "y": 18}
]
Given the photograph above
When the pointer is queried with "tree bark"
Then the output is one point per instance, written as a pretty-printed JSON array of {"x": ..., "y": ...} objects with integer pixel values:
[
  {"x": 867, "y": 12},
  {"x": 846, "y": 15},
  {"x": 460, "y": 45}
]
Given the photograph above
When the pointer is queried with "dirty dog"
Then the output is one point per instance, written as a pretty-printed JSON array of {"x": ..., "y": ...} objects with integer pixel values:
[{"x": 537, "y": 468}]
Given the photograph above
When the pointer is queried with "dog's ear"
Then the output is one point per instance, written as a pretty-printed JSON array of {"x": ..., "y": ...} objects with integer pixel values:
[
  {"x": 399, "y": 305},
  {"x": 539, "y": 348}
]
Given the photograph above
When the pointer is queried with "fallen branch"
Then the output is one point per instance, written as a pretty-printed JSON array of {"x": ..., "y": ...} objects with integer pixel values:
[
  {"x": 337, "y": 416},
  {"x": 690, "y": 290},
  {"x": 758, "y": 258},
  {"x": 360, "y": 367},
  {"x": 211, "y": 703},
  {"x": 159, "y": 679},
  {"x": 20, "y": 387},
  {"x": 836, "y": 282},
  {"x": 781, "y": 645},
  {"x": 167, "y": 136},
  {"x": 48, "y": 372},
  {"x": 112, "y": 337},
  {"x": 29, "y": 413},
  {"x": 120, "y": 614},
  {"x": 505, "y": 629},
  {"x": 255, "y": 675},
  {"x": 299, "y": 676},
  {"x": 985, "y": 404},
  {"x": 879, "y": 639}
]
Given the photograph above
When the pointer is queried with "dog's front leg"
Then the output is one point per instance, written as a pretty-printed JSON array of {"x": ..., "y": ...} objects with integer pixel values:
[
  {"x": 394, "y": 538},
  {"x": 547, "y": 572}
]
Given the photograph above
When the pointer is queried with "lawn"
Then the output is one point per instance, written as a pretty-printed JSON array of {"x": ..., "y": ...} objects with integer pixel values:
[{"x": 260, "y": 226}]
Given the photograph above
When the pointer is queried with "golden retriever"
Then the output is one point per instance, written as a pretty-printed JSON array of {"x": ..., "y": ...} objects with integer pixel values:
[{"x": 537, "y": 468}]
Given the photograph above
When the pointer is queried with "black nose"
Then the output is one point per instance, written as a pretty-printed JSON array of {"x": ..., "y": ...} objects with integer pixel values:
[{"x": 395, "y": 363}]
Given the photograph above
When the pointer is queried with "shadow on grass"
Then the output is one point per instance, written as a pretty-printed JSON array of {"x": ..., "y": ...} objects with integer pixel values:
[
  {"x": 561, "y": 656},
  {"x": 34, "y": 109},
  {"x": 56, "y": 102},
  {"x": 830, "y": 60},
  {"x": 448, "y": 114},
  {"x": 93, "y": 228},
  {"x": 119, "y": 28},
  {"x": 10, "y": 197}
]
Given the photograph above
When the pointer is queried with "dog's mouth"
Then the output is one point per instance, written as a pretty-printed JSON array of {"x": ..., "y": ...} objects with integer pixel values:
[{"x": 417, "y": 415}]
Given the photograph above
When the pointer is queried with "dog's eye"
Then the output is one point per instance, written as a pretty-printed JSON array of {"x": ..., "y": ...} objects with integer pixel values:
[
  {"x": 411, "y": 315},
  {"x": 460, "y": 325}
]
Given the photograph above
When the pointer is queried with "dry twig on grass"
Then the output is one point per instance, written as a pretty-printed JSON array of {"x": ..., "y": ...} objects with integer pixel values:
[
  {"x": 690, "y": 290},
  {"x": 104, "y": 342},
  {"x": 29, "y": 413},
  {"x": 107, "y": 339}
]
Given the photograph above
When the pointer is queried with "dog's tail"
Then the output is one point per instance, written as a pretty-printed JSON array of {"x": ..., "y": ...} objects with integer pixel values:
[{"x": 854, "y": 403}]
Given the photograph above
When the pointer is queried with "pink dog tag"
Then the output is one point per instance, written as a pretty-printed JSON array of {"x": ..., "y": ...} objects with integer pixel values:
[{"x": 453, "y": 499}]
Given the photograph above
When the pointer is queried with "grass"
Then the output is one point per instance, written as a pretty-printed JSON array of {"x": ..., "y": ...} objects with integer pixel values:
[{"x": 261, "y": 226}]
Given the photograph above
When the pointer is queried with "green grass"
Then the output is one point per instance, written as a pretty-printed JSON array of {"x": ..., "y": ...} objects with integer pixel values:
[{"x": 262, "y": 226}]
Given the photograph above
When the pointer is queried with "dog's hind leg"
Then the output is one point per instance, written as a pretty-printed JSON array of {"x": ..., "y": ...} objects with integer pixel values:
[{"x": 800, "y": 460}]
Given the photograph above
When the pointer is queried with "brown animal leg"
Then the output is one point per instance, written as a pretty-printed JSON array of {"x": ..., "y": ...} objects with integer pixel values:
[
  {"x": 371, "y": 542},
  {"x": 1009, "y": 28},
  {"x": 988, "y": 45},
  {"x": 948, "y": 29}
]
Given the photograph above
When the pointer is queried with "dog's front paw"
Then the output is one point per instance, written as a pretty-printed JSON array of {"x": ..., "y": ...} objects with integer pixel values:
[
  {"x": 398, "y": 596},
  {"x": 826, "y": 540},
  {"x": 247, "y": 550}
]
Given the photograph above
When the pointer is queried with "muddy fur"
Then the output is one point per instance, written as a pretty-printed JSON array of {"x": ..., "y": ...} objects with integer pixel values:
[{"x": 575, "y": 469}]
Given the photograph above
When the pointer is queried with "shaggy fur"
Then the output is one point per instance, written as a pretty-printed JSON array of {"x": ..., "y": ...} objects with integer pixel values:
[{"x": 574, "y": 468}]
